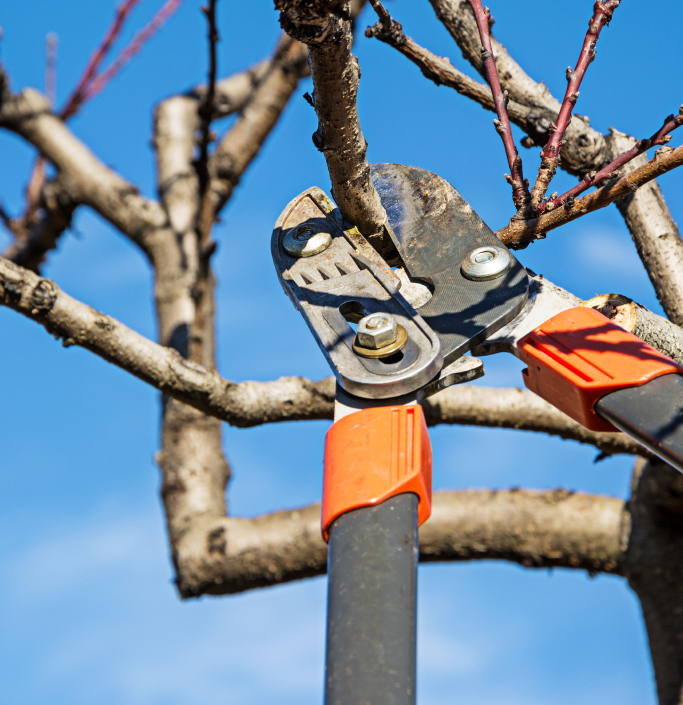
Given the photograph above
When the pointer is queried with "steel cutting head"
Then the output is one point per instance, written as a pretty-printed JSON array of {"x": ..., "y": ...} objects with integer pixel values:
[{"x": 436, "y": 233}]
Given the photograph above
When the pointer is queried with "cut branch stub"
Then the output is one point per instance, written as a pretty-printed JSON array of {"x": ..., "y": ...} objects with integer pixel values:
[{"x": 327, "y": 30}]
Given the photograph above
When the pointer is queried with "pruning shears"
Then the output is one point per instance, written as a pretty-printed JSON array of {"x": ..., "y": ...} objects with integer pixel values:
[{"x": 393, "y": 337}]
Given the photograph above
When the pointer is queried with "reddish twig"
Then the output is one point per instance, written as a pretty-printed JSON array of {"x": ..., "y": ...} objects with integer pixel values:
[
  {"x": 145, "y": 34},
  {"x": 90, "y": 83},
  {"x": 51, "y": 67},
  {"x": 79, "y": 93},
  {"x": 610, "y": 171},
  {"x": 550, "y": 156},
  {"x": 520, "y": 187}
]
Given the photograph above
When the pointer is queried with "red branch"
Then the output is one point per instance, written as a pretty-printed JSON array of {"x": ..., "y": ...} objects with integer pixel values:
[
  {"x": 78, "y": 95},
  {"x": 169, "y": 7},
  {"x": 610, "y": 171},
  {"x": 550, "y": 156},
  {"x": 520, "y": 188}
]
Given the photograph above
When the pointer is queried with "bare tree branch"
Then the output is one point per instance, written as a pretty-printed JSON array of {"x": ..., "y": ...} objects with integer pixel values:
[
  {"x": 645, "y": 211},
  {"x": 292, "y": 398},
  {"x": 550, "y": 154},
  {"x": 520, "y": 188},
  {"x": 661, "y": 137},
  {"x": 33, "y": 240},
  {"x": 655, "y": 571},
  {"x": 326, "y": 28},
  {"x": 536, "y": 529},
  {"x": 89, "y": 181},
  {"x": 244, "y": 140}
]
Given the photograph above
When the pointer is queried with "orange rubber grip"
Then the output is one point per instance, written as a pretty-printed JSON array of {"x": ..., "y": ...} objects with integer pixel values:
[
  {"x": 578, "y": 356},
  {"x": 374, "y": 454}
]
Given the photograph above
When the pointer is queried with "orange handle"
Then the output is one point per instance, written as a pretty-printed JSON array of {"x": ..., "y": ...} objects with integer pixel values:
[
  {"x": 374, "y": 454},
  {"x": 578, "y": 356}
]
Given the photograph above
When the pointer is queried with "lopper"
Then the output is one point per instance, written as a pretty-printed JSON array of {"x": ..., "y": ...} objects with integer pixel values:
[{"x": 395, "y": 336}]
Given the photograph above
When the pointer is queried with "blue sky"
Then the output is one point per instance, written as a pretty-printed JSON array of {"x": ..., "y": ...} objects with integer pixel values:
[{"x": 87, "y": 607}]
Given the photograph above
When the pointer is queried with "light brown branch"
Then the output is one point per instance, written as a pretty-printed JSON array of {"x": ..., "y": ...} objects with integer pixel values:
[
  {"x": 89, "y": 181},
  {"x": 655, "y": 571},
  {"x": 517, "y": 234},
  {"x": 290, "y": 398},
  {"x": 536, "y": 529}
]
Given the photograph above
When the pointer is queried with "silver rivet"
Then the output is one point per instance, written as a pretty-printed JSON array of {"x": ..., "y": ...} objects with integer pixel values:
[
  {"x": 484, "y": 263},
  {"x": 306, "y": 241}
]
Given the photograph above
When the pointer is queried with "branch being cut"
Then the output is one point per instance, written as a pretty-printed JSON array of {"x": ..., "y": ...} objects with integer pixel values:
[
  {"x": 611, "y": 171},
  {"x": 517, "y": 234},
  {"x": 550, "y": 155},
  {"x": 520, "y": 188},
  {"x": 557, "y": 528},
  {"x": 326, "y": 28}
]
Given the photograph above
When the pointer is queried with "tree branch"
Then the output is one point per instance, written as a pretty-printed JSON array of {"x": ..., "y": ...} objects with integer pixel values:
[
  {"x": 536, "y": 529},
  {"x": 517, "y": 234},
  {"x": 326, "y": 28},
  {"x": 610, "y": 171},
  {"x": 647, "y": 216},
  {"x": 89, "y": 181},
  {"x": 291, "y": 398},
  {"x": 520, "y": 188},
  {"x": 34, "y": 239},
  {"x": 550, "y": 154}
]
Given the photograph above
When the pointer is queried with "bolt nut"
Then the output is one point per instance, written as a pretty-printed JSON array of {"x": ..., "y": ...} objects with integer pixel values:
[
  {"x": 306, "y": 240},
  {"x": 377, "y": 330},
  {"x": 485, "y": 263}
]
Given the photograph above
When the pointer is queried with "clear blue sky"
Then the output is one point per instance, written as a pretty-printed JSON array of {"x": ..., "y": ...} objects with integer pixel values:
[{"x": 87, "y": 608}]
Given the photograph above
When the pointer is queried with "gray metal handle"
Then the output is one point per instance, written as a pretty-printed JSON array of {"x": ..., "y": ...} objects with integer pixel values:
[
  {"x": 371, "y": 605},
  {"x": 652, "y": 414}
]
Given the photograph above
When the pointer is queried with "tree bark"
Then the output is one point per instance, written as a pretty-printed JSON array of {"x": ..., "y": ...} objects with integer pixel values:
[
  {"x": 556, "y": 528},
  {"x": 655, "y": 571}
]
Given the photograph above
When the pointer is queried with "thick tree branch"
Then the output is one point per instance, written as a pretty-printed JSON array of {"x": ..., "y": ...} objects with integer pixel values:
[
  {"x": 517, "y": 234},
  {"x": 244, "y": 140},
  {"x": 292, "y": 398},
  {"x": 536, "y": 529},
  {"x": 35, "y": 238},
  {"x": 655, "y": 571},
  {"x": 327, "y": 30}
]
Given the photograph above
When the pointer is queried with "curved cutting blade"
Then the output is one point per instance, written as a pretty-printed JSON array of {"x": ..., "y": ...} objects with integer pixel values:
[{"x": 434, "y": 228}]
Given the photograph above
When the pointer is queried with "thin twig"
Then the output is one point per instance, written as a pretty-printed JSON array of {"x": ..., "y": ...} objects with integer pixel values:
[
  {"x": 51, "y": 67},
  {"x": 610, "y": 171},
  {"x": 144, "y": 35},
  {"x": 206, "y": 112},
  {"x": 520, "y": 187},
  {"x": 550, "y": 155},
  {"x": 77, "y": 96}
]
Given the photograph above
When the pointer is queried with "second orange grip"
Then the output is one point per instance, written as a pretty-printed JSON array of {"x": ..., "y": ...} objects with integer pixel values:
[{"x": 375, "y": 454}]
